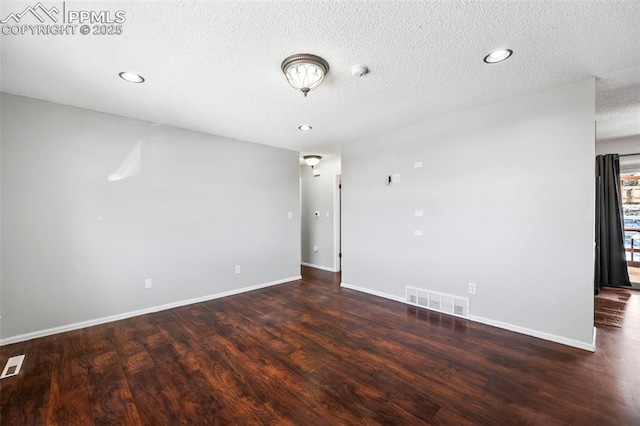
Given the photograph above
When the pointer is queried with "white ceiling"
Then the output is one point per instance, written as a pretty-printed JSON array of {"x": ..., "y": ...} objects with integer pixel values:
[
  {"x": 214, "y": 67},
  {"x": 618, "y": 105}
]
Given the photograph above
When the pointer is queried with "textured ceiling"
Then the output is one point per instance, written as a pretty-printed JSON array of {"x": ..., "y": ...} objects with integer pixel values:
[
  {"x": 618, "y": 105},
  {"x": 215, "y": 66}
]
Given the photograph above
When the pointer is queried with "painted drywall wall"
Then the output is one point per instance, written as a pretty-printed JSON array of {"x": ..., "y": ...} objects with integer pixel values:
[
  {"x": 507, "y": 197},
  {"x": 318, "y": 194},
  {"x": 628, "y": 148},
  {"x": 627, "y": 145},
  {"x": 94, "y": 204}
]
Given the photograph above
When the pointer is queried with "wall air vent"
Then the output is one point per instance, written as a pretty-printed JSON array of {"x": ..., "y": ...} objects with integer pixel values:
[{"x": 440, "y": 302}]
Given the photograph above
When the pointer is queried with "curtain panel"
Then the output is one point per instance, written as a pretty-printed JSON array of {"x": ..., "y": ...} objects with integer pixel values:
[{"x": 611, "y": 263}]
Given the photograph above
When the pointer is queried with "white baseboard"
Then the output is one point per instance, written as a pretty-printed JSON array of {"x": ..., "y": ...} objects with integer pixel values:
[
  {"x": 522, "y": 330},
  {"x": 539, "y": 334},
  {"x": 324, "y": 268},
  {"x": 374, "y": 292},
  {"x": 104, "y": 320}
]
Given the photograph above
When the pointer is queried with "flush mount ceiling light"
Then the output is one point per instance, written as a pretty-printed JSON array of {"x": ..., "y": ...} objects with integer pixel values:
[
  {"x": 304, "y": 72},
  {"x": 305, "y": 127},
  {"x": 498, "y": 56},
  {"x": 312, "y": 160},
  {"x": 131, "y": 77}
]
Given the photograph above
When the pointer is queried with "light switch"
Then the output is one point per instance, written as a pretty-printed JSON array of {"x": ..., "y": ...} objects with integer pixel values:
[
  {"x": 417, "y": 165},
  {"x": 290, "y": 215},
  {"x": 418, "y": 213},
  {"x": 418, "y": 233},
  {"x": 326, "y": 214}
]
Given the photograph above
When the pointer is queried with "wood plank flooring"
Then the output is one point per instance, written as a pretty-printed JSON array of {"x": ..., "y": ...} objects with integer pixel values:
[
  {"x": 611, "y": 307},
  {"x": 312, "y": 353}
]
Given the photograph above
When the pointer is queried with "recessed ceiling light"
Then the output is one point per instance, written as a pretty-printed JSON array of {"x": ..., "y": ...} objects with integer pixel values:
[
  {"x": 131, "y": 77},
  {"x": 305, "y": 127},
  {"x": 498, "y": 56}
]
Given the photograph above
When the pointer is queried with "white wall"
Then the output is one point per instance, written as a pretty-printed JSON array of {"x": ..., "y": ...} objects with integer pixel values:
[
  {"x": 508, "y": 198},
  {"x": 628, "y": 145},
  {"x": 76, "y": 247},
  {"x": 317, "y": 194}
]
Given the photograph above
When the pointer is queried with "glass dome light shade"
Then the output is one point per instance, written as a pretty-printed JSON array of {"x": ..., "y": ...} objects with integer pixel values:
[{"x": 304, "y": 72}]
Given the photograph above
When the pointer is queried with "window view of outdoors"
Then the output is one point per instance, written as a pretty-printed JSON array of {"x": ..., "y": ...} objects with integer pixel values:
[{"x": 631, "y": 209}]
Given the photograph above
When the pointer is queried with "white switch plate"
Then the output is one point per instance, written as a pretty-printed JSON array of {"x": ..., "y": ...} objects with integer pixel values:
[
  {"x": 395, "y": 178},
  {"x": 417, "y": 164},
  {"x": 238, "y": 269},
  {"x": 326, "y": 214},
  {"x": 290, "y": 215},
  {"x": 148, "y": 283},
  {"x": 418, "y": 233},
  {"x": 418, "y": 213},
  {"x": 472, "y": 288}
]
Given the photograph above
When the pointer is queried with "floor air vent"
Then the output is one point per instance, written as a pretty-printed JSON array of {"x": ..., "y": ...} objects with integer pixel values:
[
  {"x": 440, "y": 302},
  {"x": 12, "y": 367}
]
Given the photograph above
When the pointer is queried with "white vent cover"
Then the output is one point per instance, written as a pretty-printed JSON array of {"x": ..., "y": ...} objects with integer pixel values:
[
  {"x": 12, "y": 367},
  {"x": 440, "y": 302}
]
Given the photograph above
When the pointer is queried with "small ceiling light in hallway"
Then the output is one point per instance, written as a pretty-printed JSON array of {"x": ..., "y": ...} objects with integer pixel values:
[{"x": 312, "y": 160}]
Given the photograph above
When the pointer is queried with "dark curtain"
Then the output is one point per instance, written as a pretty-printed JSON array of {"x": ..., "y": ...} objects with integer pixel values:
[{"x": 611, "y": 264}]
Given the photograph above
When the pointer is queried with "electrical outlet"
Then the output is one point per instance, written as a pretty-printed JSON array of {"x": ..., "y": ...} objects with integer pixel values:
[
  {"x": 417, "y": 164},
  {"x": 148, "y": 283},
  {"x": 472, "y": 288},
  {"x": 395, "y": 178},
  {"x": 238, "y": 269}
]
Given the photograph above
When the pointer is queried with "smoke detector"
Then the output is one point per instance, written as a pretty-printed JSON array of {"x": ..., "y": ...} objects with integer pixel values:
[{"x": 359, "y": 70}]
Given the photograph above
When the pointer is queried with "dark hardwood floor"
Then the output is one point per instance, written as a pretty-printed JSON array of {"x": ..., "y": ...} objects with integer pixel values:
[{"x": 311, "y": 353}]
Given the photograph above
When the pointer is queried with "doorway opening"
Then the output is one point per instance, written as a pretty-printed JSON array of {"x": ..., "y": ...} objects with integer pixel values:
[
  {"x": 321, "y": 214},
  {"x": 337, "y": 222}
]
